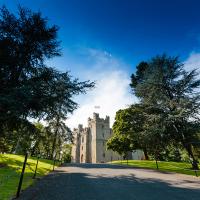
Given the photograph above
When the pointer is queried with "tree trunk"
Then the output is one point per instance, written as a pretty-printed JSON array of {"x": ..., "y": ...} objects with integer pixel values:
[
  {"x": 194, "y": 163},
  {"x": 53, "y": 146},
  {"x": 55, "y": 138},
  {"x": 146, "y": 154},
  {"x": 17, "y": 146},
  {"x": 156, "y": 157},
  {"x": 157, "y": 163}
]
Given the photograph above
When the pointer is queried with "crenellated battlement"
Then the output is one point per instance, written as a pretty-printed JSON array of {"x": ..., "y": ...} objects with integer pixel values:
[{"x": 96, "y": 118}]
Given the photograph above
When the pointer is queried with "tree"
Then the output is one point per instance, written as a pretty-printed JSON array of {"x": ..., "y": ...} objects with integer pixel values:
[
  {"x": 120, "y": 144},
  {"x": 142, "y": 132},
  {"x": 165, "y": 87},
  {"x": 19, "y": 140},
  {"x": 134, "y": 120},
  {"x": 128, "y": 130},
  {"x": 66, "y": 153},
  {"x": 140, "y": 73},
  {"x": 29, "y": 89},
  {"x": 26, "y": 42}
]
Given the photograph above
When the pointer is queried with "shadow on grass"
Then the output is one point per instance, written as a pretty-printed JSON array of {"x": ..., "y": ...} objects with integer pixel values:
[
  {"x": 10, "y": 161},
  {"x": 10, "y": 174}
]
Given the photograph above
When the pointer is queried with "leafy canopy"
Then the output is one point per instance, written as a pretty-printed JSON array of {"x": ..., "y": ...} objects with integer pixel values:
[{"x": 29, "y": 88}]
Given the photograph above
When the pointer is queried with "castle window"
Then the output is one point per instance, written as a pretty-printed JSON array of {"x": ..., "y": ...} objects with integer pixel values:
[
  {"x": 102, "y": 126},
  {"x": 82, "y": 139},
  {"x": 103, "y": 134},
  {"x": 104, "y": 155}
]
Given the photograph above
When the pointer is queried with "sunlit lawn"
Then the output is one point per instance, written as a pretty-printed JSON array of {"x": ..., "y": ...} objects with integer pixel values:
[
  {"x": 10, "y": 170},
  {"x": 178, "y": 167}
]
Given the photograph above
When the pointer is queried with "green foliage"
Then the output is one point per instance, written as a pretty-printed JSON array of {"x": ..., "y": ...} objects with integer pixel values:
[
  {"x": 171, "y": 94},
  {"x": 140, "y": 131},
  {"x": 66, "y": 150},
  {"x": 127, "y": 129},
  {"x": 140, "y": 73},
  {"x": 120, "y": 144},
  {"x": 170, "y": 153},
  {"x": 166, "y": 119},
  {"x": 29, "y": 89},
  {"x": 19, "y": 140},
  {"x": 26, "y": 41}
]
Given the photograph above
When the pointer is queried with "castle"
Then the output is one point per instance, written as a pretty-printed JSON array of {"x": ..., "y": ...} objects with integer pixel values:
[{"x": 90, "y": 143}]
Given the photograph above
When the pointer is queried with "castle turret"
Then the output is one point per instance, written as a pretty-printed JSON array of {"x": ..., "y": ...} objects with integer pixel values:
[
  {"x": 95, "y": 116},
  {"x": 80, "y": 127},
  {"x": 91, "y": 141},
  {"x": 107, "y": 119}
]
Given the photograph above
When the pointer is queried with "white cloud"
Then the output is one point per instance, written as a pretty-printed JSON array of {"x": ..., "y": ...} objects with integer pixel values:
[
  {"x": 111, "y": 92},
  {"x": 193, "y": 61}
]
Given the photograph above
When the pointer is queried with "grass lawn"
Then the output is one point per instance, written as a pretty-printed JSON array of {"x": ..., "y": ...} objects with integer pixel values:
[
  {"x": 10, "y": 170},
  {"x": 178, "y": 167}
]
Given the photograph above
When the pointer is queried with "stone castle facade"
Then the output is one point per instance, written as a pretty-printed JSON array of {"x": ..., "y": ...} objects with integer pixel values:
[{"x": 90, "y": 142}]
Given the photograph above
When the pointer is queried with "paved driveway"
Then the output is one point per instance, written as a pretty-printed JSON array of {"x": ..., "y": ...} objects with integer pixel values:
[{"x": 110, "y": 182}]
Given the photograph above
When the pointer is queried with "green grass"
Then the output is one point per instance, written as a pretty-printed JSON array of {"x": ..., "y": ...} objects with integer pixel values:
[
  {"x": 11, "y": 170},
  {"x": 178, "y": 167}
]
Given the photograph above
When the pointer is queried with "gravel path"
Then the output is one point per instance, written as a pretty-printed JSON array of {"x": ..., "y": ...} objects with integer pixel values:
[{"x": 111, "y": 182}]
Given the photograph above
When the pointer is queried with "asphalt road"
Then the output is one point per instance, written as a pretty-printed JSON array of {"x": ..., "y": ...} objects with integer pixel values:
[{"x": 110, "y": 182}]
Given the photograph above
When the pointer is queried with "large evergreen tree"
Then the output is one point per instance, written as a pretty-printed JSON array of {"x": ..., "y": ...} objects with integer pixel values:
[
  {"x": 172, "y": 95},
  {"x": 28, "y": 87}
]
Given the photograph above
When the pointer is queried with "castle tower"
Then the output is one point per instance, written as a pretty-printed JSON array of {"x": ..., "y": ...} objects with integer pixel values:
[
  {"x": 100, "y": 132},
  {"x": 84, "y": 146},
  {"x": 76, "y": 147},
  {"x": 90, "y": 143}
]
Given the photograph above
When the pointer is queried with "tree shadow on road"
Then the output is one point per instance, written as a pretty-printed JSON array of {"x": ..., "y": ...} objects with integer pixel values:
[
  {"x": 112, "y": 166},
  {"x": 62, "y": 185}
]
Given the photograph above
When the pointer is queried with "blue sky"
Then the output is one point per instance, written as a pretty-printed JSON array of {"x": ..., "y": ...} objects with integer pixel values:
[{"x": 107, "y": 38}]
